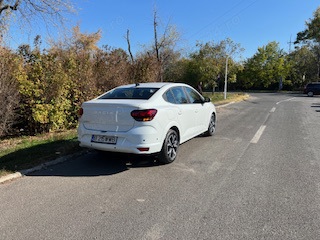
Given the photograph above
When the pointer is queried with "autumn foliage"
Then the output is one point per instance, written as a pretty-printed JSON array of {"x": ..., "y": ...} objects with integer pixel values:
[{"x": 42, "y": 90}]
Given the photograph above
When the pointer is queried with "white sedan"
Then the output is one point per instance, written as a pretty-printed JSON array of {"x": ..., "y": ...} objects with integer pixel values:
[{"x": 146, "y": 118}]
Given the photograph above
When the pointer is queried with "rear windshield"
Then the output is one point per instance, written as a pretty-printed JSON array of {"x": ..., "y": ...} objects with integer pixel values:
[{"x": 130, "y": 93}]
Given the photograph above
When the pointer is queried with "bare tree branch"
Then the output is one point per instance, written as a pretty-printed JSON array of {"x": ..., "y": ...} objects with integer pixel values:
[
  {"x": 13, "y": 7},
  {"x": 156, "y": 44},
  {"x": 129, "y": 45},
  {"x": 30, "y": 11}
]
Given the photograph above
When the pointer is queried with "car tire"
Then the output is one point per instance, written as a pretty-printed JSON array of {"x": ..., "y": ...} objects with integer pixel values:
[
  {"x": 170, "y": 147},
  {"x": 310, "y": 94},
  {"x": 212, "y": 126}
]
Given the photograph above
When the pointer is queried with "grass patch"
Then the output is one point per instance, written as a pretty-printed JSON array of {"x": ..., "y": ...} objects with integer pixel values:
[
  {"x": 218, "y": 97},
  {"x": 26, "y": 152}
]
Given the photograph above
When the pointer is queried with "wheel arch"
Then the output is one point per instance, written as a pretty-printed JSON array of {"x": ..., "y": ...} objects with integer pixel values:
[
  {"x": 173, "y": 126},
  {"x": 215, "y": 116}
]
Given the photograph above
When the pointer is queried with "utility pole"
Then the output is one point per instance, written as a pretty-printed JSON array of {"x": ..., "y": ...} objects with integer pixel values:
[
  {"x": 290, "y": 44},
  {"x": 226, "y": 79}
]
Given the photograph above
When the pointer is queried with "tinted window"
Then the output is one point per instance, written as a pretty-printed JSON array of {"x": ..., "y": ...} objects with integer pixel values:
[
  {"x": 313, "y": 86},
  {"x": 130, "y": 93},
  {"x": 194, "y": 97}
]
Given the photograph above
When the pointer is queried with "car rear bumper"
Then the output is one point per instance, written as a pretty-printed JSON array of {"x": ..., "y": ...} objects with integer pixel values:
[{"x": 139, "y": 140}]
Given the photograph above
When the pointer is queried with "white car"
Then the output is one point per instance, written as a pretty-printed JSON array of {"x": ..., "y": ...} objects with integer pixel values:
[{"x": 146, "y": 118}]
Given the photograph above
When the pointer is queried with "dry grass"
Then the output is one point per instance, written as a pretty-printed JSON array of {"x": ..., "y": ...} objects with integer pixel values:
[{"x": 218, "y": 98}]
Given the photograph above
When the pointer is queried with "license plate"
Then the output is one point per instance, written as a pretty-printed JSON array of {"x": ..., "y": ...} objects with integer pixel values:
[{"x": 104, "y": 139}]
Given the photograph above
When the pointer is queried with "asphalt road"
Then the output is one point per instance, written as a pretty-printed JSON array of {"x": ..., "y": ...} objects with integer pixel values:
[{"x": 257, "y": 178}]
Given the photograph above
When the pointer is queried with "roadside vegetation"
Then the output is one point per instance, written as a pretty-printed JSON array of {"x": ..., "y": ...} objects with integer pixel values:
[
  {"x": 25, "y": 152},
  {"x": 41, "y": 89},
  {"x": 218, "y": 98}
]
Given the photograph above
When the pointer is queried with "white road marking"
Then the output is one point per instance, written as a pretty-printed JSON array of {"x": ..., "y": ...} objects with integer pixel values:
[
  {"x": 285, "y": 100},
  {"x": 258, "y": 134}
]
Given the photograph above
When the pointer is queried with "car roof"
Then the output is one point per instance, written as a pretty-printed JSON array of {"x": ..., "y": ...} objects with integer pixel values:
[{"x": 152, "y": 85}]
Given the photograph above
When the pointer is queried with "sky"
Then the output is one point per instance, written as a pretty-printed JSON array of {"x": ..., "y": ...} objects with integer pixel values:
[{"x": 251, "y": 23}]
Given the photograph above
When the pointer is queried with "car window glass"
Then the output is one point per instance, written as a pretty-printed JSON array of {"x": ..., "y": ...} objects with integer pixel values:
[
  {"x": 179, "y": 95},
  {"x": 168, "y": 96},
  {"x": 130, "y": 93},
  {"x": 313, "y": 85},
  {"x": 194, "y": 97}
]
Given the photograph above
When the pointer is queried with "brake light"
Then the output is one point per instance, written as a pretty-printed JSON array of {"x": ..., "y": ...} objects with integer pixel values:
[
  {"x": 144, "y": 115},
  {"x": 80, "y": 112}
]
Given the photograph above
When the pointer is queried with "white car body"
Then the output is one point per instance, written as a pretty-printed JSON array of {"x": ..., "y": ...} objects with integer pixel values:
[{"x": 114, "y": 128}]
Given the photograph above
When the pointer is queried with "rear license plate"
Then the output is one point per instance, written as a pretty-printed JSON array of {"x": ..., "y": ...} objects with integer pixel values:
[{"x": 104, "y": 139}]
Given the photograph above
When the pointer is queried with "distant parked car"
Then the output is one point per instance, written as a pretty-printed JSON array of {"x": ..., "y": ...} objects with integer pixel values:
[
  {"x": 146, "y": 118},
  {"x": 312, "y": 89}
]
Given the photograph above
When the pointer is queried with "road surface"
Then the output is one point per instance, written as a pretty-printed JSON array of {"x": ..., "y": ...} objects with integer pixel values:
[{"x": 257, "y": 178}]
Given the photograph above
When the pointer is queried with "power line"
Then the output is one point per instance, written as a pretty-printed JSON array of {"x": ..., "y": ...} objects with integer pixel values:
[{"x": 224, "y": 14}]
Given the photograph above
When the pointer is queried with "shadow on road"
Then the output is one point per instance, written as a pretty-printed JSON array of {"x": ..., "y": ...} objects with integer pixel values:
[
  {"x": 316, "y": 105},
  {"x": 97, "y": 164}
]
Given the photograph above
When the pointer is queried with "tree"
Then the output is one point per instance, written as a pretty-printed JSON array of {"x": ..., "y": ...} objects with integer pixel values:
[
  {"x": 9, "y": 94},
  {"x": 311, "y": 37},
  {"x": 265, "y": 68},
  {"x": 111, "y": 68},
  {"x": 312, "y": 32},
  {"x": 176, "y": 71},
  {"x": 54, "y": 82},
  {"x": 27, "y": 11},
  {"x": 164, "y": 46},
  {"x": 153, "y": 62},
  {"x": 303, "y": 66},
  {"x": 207, "y": 64}
]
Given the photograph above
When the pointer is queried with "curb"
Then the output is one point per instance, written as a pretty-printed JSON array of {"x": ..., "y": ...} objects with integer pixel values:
[
  {"x": 24, "y": 172},
  {"x": 224, "y": 105},
  {"x": 10, "y": 177}
]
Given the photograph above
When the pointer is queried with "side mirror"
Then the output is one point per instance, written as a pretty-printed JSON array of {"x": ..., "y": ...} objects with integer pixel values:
[{"x": 206, "y": 99}]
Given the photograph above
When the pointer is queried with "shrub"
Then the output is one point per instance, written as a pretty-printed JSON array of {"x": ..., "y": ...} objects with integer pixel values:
[{"x": 9, "y": 94}]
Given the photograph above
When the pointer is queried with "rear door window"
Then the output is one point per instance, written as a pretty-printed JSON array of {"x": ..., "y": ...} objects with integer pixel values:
[{"x": 179, "y": 95}]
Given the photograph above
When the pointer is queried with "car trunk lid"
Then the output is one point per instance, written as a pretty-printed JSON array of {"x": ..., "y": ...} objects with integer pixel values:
[{"x": 108, "y": 115}]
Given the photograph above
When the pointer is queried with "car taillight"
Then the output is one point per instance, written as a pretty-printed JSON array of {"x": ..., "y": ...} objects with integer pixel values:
[
  {"x": 144, "y": 115},
  {"x": 80, "y": 112}
]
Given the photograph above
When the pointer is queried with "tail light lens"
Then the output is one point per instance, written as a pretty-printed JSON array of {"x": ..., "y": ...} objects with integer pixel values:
[{"x": 144, "y": 115}]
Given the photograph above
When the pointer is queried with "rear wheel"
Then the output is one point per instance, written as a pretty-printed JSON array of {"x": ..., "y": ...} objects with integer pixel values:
[
  {"x": 212, "y": 126},
  {"x": 310, "y": 94},
  {"x": 170, "y": 147}
]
